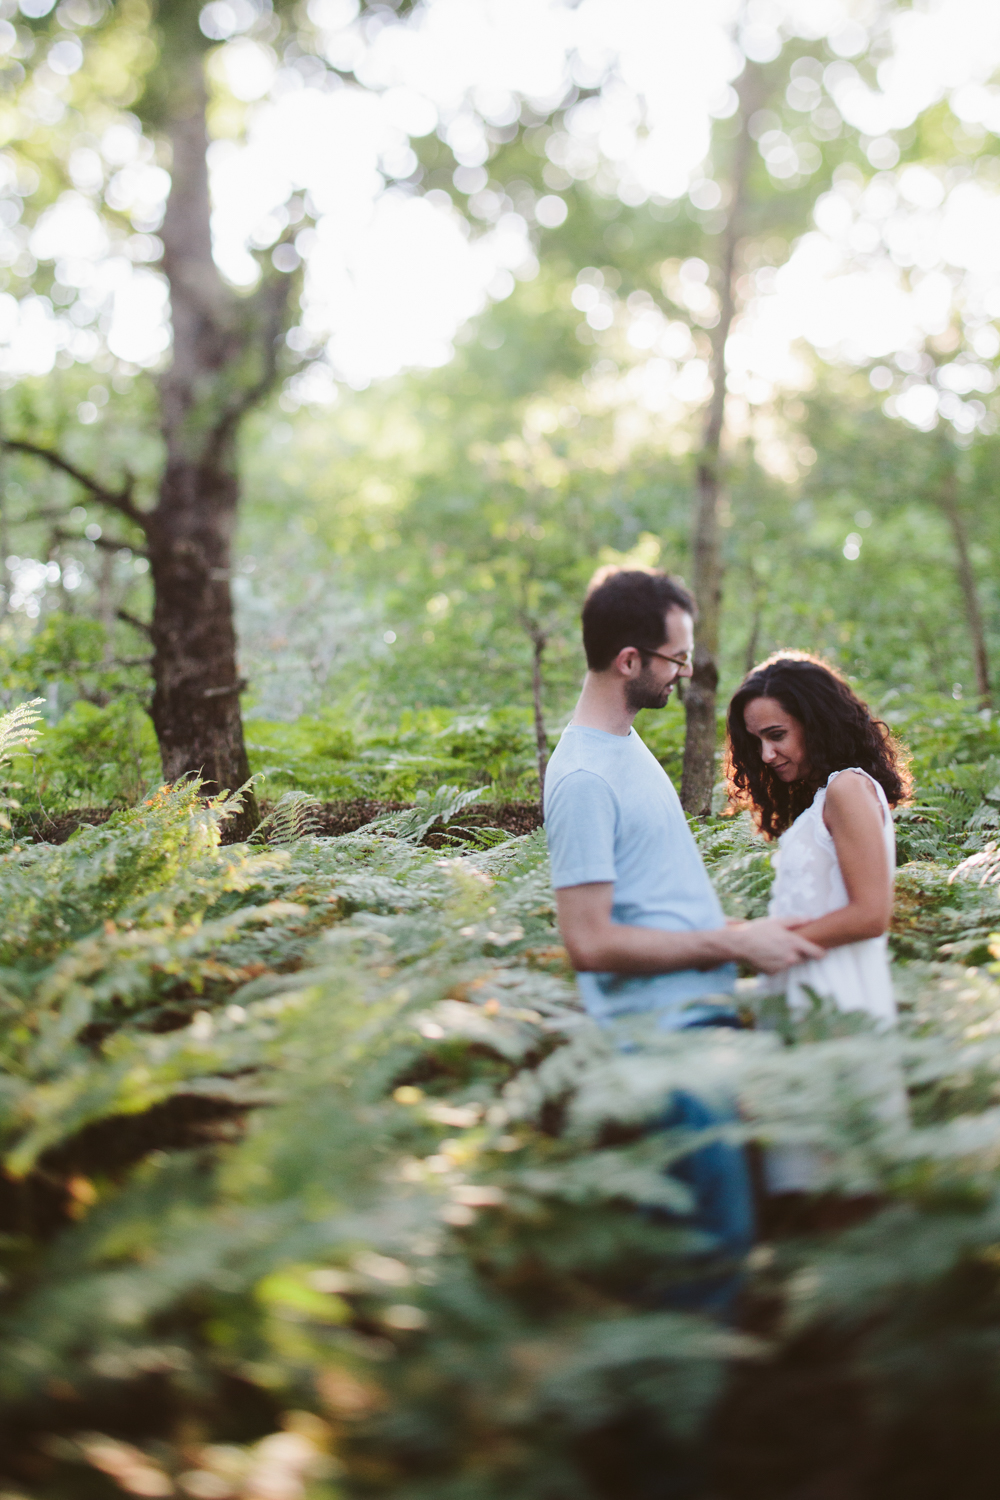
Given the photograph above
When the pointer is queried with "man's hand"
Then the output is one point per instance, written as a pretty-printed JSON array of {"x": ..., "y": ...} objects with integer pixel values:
[
  {"x": 772, "y": 944},
  {"x": 597, "y": 944}
]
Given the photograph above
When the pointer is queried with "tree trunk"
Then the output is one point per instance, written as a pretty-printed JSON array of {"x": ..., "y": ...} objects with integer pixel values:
[
  {"x": 698, "y": 776},
  {"x": 4, "y": 536},
  {"x": 223, "y": 362},
  {"x": 758, "y": 592},
  {"x": 949, "y": 505},
  {"x": 753, "y": 639},
  {"x": 106, "y": 612},
  {"x": 541, "y": 738},
  {"x": 195, "y": 709}
]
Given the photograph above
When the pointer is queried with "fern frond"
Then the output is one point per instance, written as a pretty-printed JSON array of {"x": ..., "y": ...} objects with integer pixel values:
[
  {"x": 16, "y": 731},
  {"x": 296, "y": 815},
  {"x": 441, "y": 805}
]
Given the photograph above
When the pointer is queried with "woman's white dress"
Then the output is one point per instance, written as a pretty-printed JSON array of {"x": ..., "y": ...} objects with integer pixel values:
[
  {"x": 808, "y": 884},
  {"x": 855, "y": 976}
]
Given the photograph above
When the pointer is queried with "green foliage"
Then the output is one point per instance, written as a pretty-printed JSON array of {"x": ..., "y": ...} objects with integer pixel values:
[
  {"x": 16, "y": 733},
  {"x": 329, "y": 760},
  {"x": 66, "y": 648},
  {"x": 101, "y": 750},
  {"x": 94, "y": 756},
  {"x": 411, "y": 825},
  {"x": 740, "y": 864},
  {"x": 293, "y": 816},
  {"x": 424, "y": 1254}
]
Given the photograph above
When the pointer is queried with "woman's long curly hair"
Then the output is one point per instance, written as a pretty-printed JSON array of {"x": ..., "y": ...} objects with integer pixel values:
[{"x": 840, "y": 732}]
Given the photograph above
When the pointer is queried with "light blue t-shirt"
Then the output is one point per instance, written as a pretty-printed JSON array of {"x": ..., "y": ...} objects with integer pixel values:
[{"x": 611, "y": 814}]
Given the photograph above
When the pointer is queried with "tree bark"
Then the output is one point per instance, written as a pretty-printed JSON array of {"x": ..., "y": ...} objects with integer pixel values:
[
  {"x": 224, "y": 361},
  {"x": 4, "y": 534},
  {"x": 758, "y": 593},
  {"x": 698, "y": 776},
  {"x": 948, "y": 502},
  {"x": 195, "y": 706},
  {"x": 539, "y": 640}
]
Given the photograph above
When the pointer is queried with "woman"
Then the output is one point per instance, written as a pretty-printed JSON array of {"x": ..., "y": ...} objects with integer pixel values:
[{"x": 821, "y": 774}]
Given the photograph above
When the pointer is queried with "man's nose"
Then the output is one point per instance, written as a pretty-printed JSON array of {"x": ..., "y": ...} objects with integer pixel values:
[{"x": 687, "y": 670}]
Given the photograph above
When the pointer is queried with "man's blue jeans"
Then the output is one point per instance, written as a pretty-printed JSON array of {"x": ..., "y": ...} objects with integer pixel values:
[{"x": 719, "y": 1178}]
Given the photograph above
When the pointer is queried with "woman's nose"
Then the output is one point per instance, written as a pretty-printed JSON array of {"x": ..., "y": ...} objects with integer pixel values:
[{"x": 766, "y": 752}]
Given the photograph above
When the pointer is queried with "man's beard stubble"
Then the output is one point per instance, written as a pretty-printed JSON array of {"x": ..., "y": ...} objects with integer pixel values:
[{"x": 641, "y": 693}]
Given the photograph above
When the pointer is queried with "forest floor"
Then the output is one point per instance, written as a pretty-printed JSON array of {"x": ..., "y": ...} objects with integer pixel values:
[{"x": 328, "y": 819}]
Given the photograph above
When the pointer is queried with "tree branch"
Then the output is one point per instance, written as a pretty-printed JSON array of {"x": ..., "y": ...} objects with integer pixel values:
[
  {"x": 109, "y": 543},
  {"x": 52, "y": 513},
  {"x": 270, "y": 308},
  {"x": 120, "y": 500},
  {"x": 115, "y": 544},
  {"x": 136, "y": 623}
]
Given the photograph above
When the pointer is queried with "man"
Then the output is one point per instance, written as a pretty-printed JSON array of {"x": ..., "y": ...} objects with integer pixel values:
[{"x": 641, "y": 923}]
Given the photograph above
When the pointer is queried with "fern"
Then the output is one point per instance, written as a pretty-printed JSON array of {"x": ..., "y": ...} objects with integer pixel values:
[
  {"x": 983, "y": 868},
  {"x": 739, "y": 861},
  {"x": 431, "y": 1219},
  {"x": 441, "y": 805},
  {"x": 294, "y": 816},
  {"x": 16, "y": 733}
]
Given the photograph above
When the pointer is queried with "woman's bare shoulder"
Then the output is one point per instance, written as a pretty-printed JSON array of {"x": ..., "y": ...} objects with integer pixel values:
[{"x": 851, "y": 790}]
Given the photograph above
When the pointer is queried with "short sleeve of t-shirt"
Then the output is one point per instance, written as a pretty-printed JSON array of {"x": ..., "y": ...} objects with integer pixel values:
[{"x": 581, "y": 816}]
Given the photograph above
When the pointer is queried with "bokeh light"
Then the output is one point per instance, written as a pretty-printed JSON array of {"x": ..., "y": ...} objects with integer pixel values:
[{"x": 392, "y": 274}]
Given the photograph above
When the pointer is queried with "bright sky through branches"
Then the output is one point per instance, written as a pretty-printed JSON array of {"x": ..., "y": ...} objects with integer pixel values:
[{"x": 392, "y": 276}]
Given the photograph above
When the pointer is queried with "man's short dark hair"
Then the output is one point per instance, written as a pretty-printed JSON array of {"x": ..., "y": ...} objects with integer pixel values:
[{"x": 626, "y": 607}]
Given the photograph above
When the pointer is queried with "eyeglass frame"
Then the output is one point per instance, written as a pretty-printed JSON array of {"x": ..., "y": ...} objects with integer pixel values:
[{"x": 686, "y": 661}]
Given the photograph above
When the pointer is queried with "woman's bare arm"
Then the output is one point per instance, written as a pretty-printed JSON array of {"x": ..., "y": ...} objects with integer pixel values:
[
  {"x": 595, "y": 943},
  {"x": 853, "y": 814}
]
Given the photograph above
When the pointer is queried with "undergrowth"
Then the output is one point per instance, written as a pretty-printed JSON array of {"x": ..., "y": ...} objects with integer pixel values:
[{"x": 319, "y": 1183}]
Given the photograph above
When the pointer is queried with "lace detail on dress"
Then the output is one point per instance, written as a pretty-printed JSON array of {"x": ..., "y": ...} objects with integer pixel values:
[
  {"x": 854, "y": 976},
  {"x": 808, "y": 883}
]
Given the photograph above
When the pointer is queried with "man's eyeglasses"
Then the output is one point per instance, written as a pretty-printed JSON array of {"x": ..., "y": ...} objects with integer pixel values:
[{"x": 678, "y": 661}]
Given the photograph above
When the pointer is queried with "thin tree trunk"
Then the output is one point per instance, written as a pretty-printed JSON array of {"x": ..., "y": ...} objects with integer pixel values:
[
  {"x": 699, "y": 701},
  {"x": 948, "y": 502},
  {"x": 4, "y": 532},
  {"x": 753, "y": 640},
  {"x": 541, "y": 738},
  {"x": 106, "y": 612},
  {"x": 759, "y": 594}
]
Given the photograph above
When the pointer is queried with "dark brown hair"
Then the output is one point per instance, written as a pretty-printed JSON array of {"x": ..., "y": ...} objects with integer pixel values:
[
  {"x": 839, "y": 732},
  {"x": 625, "y": 607}
]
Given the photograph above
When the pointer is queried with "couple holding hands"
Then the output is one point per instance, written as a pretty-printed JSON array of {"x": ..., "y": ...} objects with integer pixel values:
[{"x": 638, "y": 915}]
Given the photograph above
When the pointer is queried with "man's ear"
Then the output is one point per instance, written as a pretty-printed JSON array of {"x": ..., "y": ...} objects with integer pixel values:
[{"x": 628, "y": 662}]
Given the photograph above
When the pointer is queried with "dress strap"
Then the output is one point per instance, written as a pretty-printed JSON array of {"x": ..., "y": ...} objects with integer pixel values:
[{"x": 883, "y": 799}]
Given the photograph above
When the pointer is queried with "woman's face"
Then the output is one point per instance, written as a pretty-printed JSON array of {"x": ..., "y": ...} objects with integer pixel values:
[{"x": 781, "y": 738}]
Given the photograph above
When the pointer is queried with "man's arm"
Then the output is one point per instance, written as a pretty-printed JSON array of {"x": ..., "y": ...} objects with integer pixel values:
[{"x": 597, "y": 944}]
